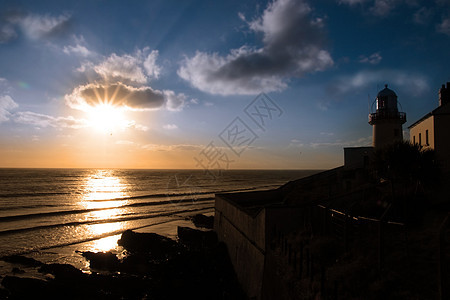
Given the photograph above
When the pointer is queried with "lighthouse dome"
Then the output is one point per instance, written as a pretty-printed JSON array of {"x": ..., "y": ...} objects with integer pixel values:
[
  {"x": 386, "y": 92},
  {"x": 387, "y": 100}
]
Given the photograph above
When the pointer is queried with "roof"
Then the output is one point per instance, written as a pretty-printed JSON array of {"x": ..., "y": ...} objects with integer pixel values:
[
  {"x": 386, "y": 92},
  {"x": 437, "y": 111}
]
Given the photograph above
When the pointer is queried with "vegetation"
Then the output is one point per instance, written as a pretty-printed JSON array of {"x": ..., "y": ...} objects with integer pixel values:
[{"x": 412, "y": 172}]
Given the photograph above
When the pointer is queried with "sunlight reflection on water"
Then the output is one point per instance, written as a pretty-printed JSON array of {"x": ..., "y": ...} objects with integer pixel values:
[{"x": 99, "y": 187}]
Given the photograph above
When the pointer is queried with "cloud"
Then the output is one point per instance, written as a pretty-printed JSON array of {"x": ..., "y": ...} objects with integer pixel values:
[
  {"x": 78, "y": 49},
  {"x": 124, "y": 142},
  {"x": 414, "y": 84},
  {"x": 444, "y": 26},
  {"x": 170, "y": 126},
  {"x": 139, "y": 68},
  {"x": 293, "y": 45},
  {"x": 7, "y": 33},
  {"x": 6, "y": 101},
  {"x": 383, "y": 7},
  {"x": 122, "y": 67},
  {"x": 39, "y": 26},
  {"x": 6, "y": 104},
  {"x": 380, "y": 8},
  {"x": 174, "y": 102},
  {"x": 122, "y": 96},
  {"x": 361, "y": 142},
  {"x": 170, "y": 148},
  {"x": 117, "y": 94},
  {"x": 150, "y": 66},
  {"x": 373, "y": 59},
  {"x": 124, "y": 84},
  {"x": 423, "y": 15},
  {"x": 41, "y": 120},
  {"x": 33, "y": 26}
]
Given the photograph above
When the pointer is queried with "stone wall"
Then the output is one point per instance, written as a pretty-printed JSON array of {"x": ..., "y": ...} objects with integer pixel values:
[{"x": 244, "y": 236}]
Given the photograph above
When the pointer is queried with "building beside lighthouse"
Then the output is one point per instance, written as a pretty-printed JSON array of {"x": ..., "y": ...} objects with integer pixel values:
[
  {"x": 433, "y": 129},
  {"x": 387, "y": 121}
]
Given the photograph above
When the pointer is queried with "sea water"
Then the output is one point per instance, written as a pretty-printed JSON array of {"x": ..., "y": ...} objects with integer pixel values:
[{"x": 49, "y": 209}]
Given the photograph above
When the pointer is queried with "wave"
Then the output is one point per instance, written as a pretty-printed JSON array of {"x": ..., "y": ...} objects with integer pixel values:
[
  {"x": 81, "y": 211},
  {"x": 183, "y": 194},
  {"x": 30, "y": 206},
  {"x": 103, "y": 221},
  {"x": 172, "y": 196},
  {"x": 33, "y": 194},
  {"x": 107, "y": 234}
]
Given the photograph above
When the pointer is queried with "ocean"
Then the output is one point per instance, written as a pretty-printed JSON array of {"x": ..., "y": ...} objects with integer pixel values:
[{"x": 50, "y": 213}]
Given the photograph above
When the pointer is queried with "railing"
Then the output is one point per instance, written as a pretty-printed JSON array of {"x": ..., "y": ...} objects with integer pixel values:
[{"x": 384, "y": 115}]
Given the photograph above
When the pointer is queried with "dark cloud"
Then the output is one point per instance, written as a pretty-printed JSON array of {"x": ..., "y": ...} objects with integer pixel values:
[
  {"x": 294, "y": 45},
  {"x": 123, "y": 96}
]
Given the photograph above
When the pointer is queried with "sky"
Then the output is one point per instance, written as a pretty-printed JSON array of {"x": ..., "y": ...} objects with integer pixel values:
[{"x": 283, "y": 84}]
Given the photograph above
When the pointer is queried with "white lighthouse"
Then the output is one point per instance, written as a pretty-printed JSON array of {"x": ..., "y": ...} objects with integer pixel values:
[{"x": 387, "y": 121}]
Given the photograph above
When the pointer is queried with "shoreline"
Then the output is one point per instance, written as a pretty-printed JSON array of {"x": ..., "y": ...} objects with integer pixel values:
[
  {"x": 66, "y": 253},
  {"x": 147, "y": 265}
]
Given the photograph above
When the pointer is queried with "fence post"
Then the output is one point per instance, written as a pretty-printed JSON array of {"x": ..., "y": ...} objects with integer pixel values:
[
  {"x": 289, "y": 253},
  {"x": 346, "y": 231},
  {"x": 380, "y": 245},
  {"x": 443, "y": 286},
  {"x": 381, "y": 238},
  {"x": 295, "y": 260},
  {"x": 335, "y": 292},
  {"x": 322, "y": 283},
  {"x": 308, "y": 261},
  {"x": 301, "y": 260}
]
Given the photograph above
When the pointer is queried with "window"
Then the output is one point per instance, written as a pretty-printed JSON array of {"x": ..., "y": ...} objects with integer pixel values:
[
  {"x": 420, "y": 139},
  {"x": 426, "y": 138},
  {"x": 414, "y": 139}
]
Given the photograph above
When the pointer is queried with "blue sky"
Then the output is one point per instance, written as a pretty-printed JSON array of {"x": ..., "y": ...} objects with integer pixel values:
[{"x": 158, "y": 84}]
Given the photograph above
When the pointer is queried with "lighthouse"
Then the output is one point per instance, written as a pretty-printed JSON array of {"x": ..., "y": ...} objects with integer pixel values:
[{"x": 387, "y": 121}]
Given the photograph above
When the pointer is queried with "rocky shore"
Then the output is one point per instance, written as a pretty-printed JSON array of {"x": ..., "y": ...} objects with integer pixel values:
[{"x": 196, "y": 266}]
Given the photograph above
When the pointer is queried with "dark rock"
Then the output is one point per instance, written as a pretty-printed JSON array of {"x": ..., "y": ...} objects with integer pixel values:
[
  {"x": 22, "y": 260},
  {"x": 24, "y": 288},
  {"x": 62, "y": 271},
  {"x": 201, "y": 220},
  {"x": 159, "y": 247},
  {"x": 16, "y": 270},
  {"x": 196, "y": 239},
  {"x": 138, "y": 264},
  {"x": 4, "y": 294},
  {"x": 102, "y": 260}
]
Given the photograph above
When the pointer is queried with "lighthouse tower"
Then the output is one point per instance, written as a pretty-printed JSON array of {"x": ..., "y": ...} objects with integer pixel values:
[{"x": 387, "y": 121}]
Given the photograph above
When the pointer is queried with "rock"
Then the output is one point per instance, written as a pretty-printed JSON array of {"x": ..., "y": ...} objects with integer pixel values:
[
  {"x": 138, "y": 264},
  {"x": 201, "y": 220},
  {"x": 16, "y": 270},
  {"x": 62, "y": 271},
  {"x": 22, "y": 260},
  {"x": 195, "y": 238},
  {"x": 157, "y": 246},
  {"x": 24, "y": 288},
  {"x": 102, "y": 260}
]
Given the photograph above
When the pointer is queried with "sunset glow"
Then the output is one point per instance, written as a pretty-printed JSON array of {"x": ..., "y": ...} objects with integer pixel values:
[
  {"x": 107, "y": 118},
  {"x": 151, "y": 85}
]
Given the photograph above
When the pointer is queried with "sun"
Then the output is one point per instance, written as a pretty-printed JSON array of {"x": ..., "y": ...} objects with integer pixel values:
[{"x": 107, "y": 118}]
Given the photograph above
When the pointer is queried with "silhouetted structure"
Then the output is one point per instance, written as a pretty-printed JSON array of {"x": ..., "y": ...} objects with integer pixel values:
[
  {"x": 387, "y": 121},
  {"x": 348, "y": 204}
]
